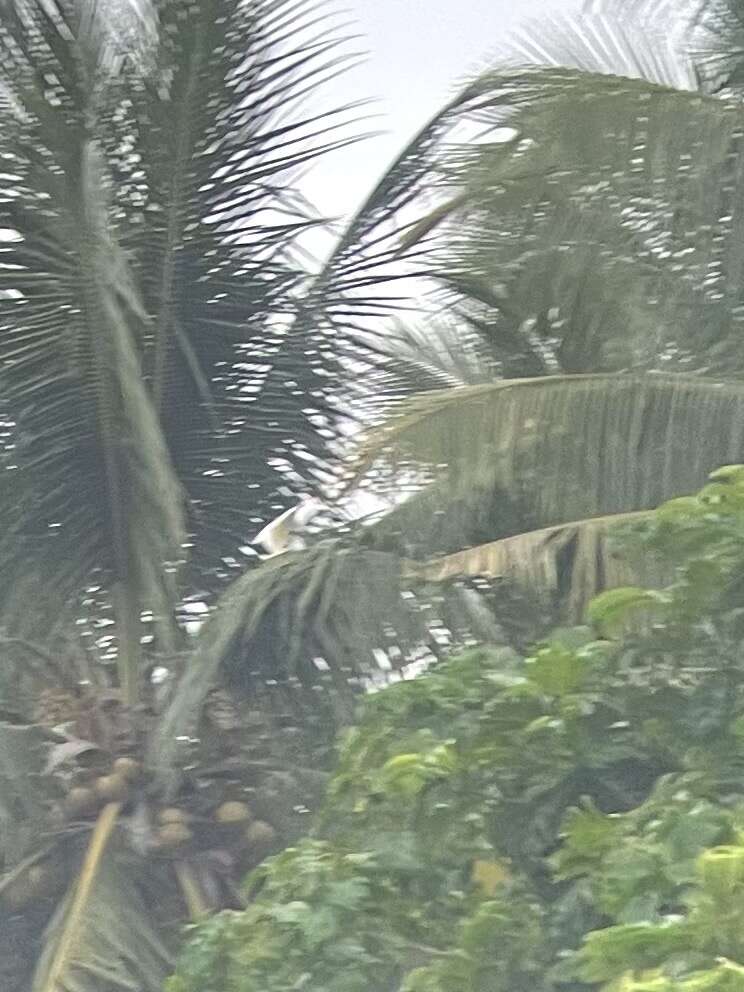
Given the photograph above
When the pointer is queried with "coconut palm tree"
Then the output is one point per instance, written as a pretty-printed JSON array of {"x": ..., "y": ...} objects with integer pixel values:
[
  {"x": 171, "y": 375},
  {"x": 152, "y": 259},
  {"x": 576, "y": 213}
]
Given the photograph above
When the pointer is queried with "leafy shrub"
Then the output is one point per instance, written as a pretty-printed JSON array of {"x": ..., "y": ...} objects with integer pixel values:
[{"x": 570, "y": 820}]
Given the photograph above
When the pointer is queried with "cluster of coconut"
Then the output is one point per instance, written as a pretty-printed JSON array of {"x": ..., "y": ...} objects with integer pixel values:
[
  {"x": 234, "y": 820},
  {"x": 176, "y": 832},
  {"x": 174, "y": 828},
  {"x": 114, "y": 786}
]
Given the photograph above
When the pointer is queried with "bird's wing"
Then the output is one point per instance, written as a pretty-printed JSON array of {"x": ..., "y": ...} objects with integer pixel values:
[
  {"x": 305, "y": 511},
  {"x": 275, "y": 536}
]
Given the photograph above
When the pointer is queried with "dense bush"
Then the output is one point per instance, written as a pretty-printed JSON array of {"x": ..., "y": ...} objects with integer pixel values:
[{"x": 574, "y": 819}]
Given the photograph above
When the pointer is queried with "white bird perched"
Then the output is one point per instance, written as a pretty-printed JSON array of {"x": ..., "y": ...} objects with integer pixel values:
[{"x": 284, "y": 533}]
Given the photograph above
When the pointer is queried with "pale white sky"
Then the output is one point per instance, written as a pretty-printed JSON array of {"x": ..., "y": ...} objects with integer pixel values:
[{"x": 419, "y": 51}]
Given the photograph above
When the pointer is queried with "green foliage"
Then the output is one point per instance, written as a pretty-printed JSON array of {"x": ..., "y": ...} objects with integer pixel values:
[
  {"x": 319, "y": 914},
  {"x": 154, "y": 295},
  {"x": 342, "y": 920},
  {"x": 574, "y": 819}
]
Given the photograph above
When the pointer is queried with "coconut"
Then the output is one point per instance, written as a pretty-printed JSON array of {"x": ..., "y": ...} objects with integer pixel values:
[
  {"x": 112, "y": 788},
  {"x": 259, "y": 835},
  {"x": 173, "y": 835},
  {"x": 81, "y": 801},
  {"x": 172, "y": 814},
  {"x": 231, "y": 813},
  {"x": 128, "y": 768}
]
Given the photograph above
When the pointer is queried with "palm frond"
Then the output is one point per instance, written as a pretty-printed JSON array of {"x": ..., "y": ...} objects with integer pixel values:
[
  {"x": 636, "y": 39},
  {"x": 604, "y": 236},
  {"x": 24, "y": 796},
  {"x": 636, "y": 210},
  {"x": 718, "y": 46},
  {"x": 442, "y": 351},
  {"x": 566, "y": 445},
  {"x": 387, "y": 253},
  {"x": 67, "y": 944},
  {"x": 117, "y": 945},
  {"x": 568, "y": 290},
  {"x": 710, "y": 33},
  {"x": 567, "y": 564},
  {"x": 86, "y": 450},
  {"x": 222, "y": 129},
  {"x": 311, "y": 618},
  {"x": 514, "y": 456},
  {"x": 368, "y": 280},
  {"x": 317, "y": 628},
  {"x": 596, "y": 238},
  {"x": 434, "y": 518}
]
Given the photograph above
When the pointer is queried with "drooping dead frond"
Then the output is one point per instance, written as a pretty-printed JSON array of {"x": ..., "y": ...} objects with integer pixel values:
[{"x": 568, "y": 564}]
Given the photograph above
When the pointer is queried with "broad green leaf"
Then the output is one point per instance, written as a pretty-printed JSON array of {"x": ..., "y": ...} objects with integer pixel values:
[
  {"x": 410, "y": 773},
  {"x": 609, "y": 952},
  {"x": 728, "y": 473},
  {"x": 587, "y": 835},
  {"x": 556, "y": 670},
  {"x": 611, "y": 609}
]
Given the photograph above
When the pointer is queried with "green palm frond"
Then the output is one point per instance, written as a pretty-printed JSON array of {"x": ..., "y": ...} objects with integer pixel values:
[
  {"x": 332, "y": 602},
  {"x": 636, "y": 39},
  {"x": 620, "y": 175},
  {"x": 24, "y": 800},
  {"x": 370, "y": 279},
  {"x": 442, "y": 351},
  {"x": 564, "y": 446},
  {"x": 116, "y": 944},
  {"x": 603, "y": 235},
  {"x": 221, "y": 130},
  {"x": 608, "y": 234},
  {"x": 568, "y": 291},
  {"x": 323, "y": 624},
  {"x": 719, "y": 45},
  {"x": 549, "y": 264},
  {"x": 150, "y": 267},
  {"x": 91, "y": 465},
  {"x": 709, "y": 32},
  {"x": 434, "y": 519}
]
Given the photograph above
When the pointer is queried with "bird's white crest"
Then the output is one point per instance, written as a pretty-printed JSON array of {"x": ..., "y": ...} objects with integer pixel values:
[{"x": 282, "y": 534}]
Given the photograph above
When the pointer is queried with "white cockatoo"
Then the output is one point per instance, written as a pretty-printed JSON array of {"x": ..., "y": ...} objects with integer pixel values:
[{"x": 285, "y": 532}]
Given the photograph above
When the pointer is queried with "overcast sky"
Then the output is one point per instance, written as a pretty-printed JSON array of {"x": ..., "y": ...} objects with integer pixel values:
[{"x": 419, "y": 51}]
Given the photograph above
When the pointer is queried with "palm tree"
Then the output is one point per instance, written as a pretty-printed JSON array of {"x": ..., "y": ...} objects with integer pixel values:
[
  {"x": 171, "y": 376},
  {"x": 595, "y": 258},
  {"x": 151, "y": 261},
  {"x": 584, "y": 248}
]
